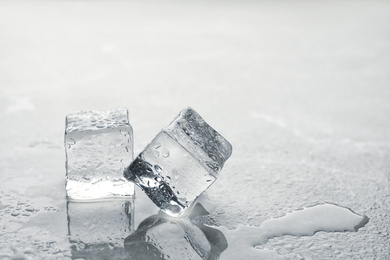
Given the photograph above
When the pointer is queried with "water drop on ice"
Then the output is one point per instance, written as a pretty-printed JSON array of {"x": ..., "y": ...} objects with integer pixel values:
[
  {"x": 165, "y": 153},
  {"x": 156, "y": 153}
]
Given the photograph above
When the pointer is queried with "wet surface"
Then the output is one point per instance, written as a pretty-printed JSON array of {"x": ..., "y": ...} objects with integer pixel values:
[
  {"x": 305, "y": 222},
  {"x": 299, "y": 88}
]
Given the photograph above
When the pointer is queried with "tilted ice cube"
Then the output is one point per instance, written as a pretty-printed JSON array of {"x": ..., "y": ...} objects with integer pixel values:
[
  {"x": 98, "y": 145},
  {"x": 181, "y": 162},
  {"x": 99, "y": 226}
]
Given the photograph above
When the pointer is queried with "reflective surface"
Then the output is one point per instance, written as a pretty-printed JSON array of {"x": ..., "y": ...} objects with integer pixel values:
[
  {"x": 300, "y": 89},
  {"x": 164, "y": 237}
]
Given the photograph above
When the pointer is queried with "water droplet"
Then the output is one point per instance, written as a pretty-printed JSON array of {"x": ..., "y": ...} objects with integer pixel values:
[
  {"x": 157, "y": 168},
  {"x": 156, "y": 153},
  {"x": 148, "y": 167},
  {"x": 99, "y": 165},
  {"x": 175, "y": 174},
  {"x": 213, "y": 157},
  {"x": 165, "y": 153}
]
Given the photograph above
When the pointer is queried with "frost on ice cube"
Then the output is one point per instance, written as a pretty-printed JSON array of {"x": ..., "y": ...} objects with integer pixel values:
[
  {"x": 99, "y": 226},
  {"x": 181, "y": 162},
  {"x": 98, "y": 145}
]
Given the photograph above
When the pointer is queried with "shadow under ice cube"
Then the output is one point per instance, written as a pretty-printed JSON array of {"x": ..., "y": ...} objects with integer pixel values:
[
  {"x": 98, "y": 145},
  {"x": 181, "y": 162}
]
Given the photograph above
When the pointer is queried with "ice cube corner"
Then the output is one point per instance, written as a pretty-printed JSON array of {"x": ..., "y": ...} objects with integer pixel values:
[
  {"x": 98, "y": 146},
  {"x": 181, "y": 162}
]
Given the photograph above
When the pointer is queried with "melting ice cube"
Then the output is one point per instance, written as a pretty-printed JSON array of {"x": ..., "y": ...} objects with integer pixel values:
[
  {"x": 98, "y": 145},
  {"x": 181, "y": 162}
]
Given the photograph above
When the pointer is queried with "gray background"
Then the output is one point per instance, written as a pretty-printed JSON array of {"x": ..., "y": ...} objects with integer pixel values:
[{"x": 300, "y": 88}]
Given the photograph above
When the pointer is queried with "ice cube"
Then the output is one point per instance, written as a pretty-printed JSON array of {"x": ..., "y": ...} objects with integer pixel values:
[
  {"x": 98, "y": 145},
  {"x": 99, "y": 225},
  {"x": 181, "y": 162}
]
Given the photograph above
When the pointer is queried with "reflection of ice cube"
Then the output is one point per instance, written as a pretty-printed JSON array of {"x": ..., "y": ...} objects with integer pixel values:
[
  {"x": 181, "y": 162},
  {"x": 99, "y": 145},
  {"x": 101, "y": 224},
  {"x": 160, "y": 237}
]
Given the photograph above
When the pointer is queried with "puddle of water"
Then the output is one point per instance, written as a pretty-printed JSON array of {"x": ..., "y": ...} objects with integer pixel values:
[
  {"x": 114, "y": 230},
  {"x": 305, "y": 222}
]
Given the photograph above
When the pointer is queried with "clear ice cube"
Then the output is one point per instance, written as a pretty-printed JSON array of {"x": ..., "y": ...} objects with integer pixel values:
[
  {"x": 98, "y": 145},
  {"x": 99, "y": 226},
  {"x": 181, "y": 162}
]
